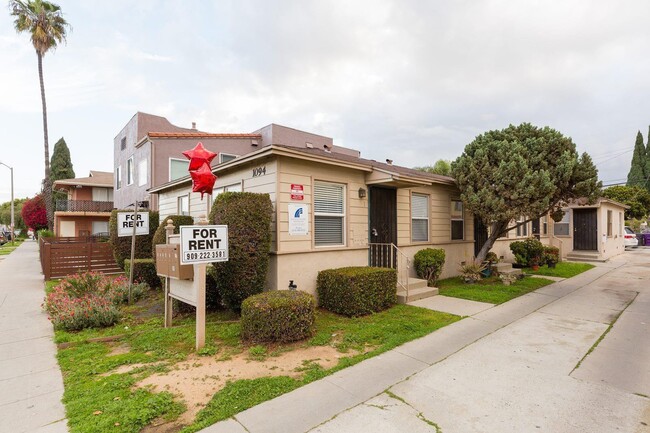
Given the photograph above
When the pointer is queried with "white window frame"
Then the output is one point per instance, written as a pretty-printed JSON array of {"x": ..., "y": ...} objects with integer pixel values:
[
  {"x": 455, "y": 218},
  {"x": 420, "y": 217},
  {"x": 610, "y": 223},
  {"x": 620, "y": 223},
  {"x": 522, "y": 230},
  {"x": 179, "y": 206},
  {"x": 221, "y": 155},
  {"x": 142, "y": 172},
  {"x": 341, "y": 215},
  {"x": 118, "y": 177},
  {"x": 544, "y": 224},
  {"x": 170, "y": 167},
  {"x": 129, "y": 171}
]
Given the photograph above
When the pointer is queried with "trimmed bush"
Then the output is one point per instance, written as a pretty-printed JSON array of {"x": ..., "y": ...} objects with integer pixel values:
[
  {"x": 213, "y": 297},
  {"x": 527, "y": 251},
  {"x": 357, "y": 291},
  {"x": 279, "y": 316},
  {"x": 428, "y": 264},
  {"x": 160, "y": 236},
  {"x": 122, "y": 246},
  {"x": 551, "y": 256},
  {"x": 248, "y": 217},
  {"x": 143, "y": 272}
]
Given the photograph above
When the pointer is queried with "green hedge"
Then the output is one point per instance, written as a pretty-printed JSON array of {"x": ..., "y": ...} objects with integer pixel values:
[
  {"x": 357, "y": 291},
  {"x": 248, "y": 217},
  {"x": 160, "y": 236},
  {"x": 122, "y": 246},
  {"x": 213, "y": 297},
  {"x": 279, "y": 316},
  {"x": 144, "y": 272},
  {"x": 526, "y": 251},
  {"x": 428, "y": 264}
]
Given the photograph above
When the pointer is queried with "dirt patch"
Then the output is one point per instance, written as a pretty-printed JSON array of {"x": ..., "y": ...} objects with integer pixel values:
[
  {"x": 118, "y": 349},
  {"x": 198, "y": 378}
]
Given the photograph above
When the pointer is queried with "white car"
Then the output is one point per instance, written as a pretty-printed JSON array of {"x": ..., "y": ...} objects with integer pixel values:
[{"x": 630, "y": 238}]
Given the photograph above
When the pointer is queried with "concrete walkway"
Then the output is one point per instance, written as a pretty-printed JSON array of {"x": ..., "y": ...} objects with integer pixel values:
[
  {"x": 31, "y": 385},
  {"x": 510, "y": 368}
]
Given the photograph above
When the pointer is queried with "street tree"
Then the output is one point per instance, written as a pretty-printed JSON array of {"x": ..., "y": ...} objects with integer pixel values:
[
  {"x": 34, "y": 214},
  {"x": 441, "y": 166},
  {"x": 521, "y": 171},
  {"x": 636, "y": 197},
  {"x": 5, "y": 214},
  {"x": 60, "y": 167},
  {"x": 638, "y": 173},
  {"x": 45, "y": 24}
]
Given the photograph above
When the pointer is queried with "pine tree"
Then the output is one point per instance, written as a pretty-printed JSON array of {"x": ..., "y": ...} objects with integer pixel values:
[
  {"x": 61, "y": 164},
  {"x": 638, "y": 170}
]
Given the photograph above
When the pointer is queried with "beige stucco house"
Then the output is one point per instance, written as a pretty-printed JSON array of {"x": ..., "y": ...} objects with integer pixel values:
[
  {"x": 88, "y": 205},
  {"x": 330, "y": 209}
]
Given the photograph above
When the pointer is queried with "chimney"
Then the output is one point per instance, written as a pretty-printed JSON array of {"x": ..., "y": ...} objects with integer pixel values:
[
  {"x": 389, "y": 161},
  {"x": 194, "y": 125}
]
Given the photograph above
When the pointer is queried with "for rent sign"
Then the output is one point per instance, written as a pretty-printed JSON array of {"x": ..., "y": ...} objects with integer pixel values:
[
  {"x": 204, "y": 244},
  {"x": 126, "y": 221}
]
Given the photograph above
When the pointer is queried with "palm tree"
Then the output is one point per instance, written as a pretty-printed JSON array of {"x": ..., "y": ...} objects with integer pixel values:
[{"x": 45, "y": 22}]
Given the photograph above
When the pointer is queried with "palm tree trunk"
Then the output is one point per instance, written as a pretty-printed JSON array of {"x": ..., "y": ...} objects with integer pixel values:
[{"x": 47, "y": 186}]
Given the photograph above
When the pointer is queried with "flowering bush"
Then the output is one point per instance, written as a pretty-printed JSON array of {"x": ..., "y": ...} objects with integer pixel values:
[{"x": 88, "y": 300}]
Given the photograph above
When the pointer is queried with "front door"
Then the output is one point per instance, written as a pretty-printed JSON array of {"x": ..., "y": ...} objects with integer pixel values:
[
  {"x": 383, "y": 225},
  {"x": 480, "y": 235},
  {"x": 585, "y": 230}
]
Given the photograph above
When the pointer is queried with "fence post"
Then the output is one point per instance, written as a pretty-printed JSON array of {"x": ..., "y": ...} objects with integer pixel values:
[{"x": 46, "y": 263}]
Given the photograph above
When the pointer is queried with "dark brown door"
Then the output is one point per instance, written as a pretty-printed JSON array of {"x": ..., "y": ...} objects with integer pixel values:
[
  {"x": 383, "y": 215},
  {"x": 535, "y": 228},
  {"x": 383, "y": 226},
  {"x": 585, "y": 230},
  {"x": 480, "y": 235}
]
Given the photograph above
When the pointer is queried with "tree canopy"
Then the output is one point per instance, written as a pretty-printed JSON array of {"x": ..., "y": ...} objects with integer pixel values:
[
  {"x": 441, "y": 166},
  {"x": 521, "y": 171},
  {"x": 636, "y": 197},
  {"x": 5, "y": 213},
  {"x": 61, "y": 164},
  {"x": 639, "y": 173},
  {"x": 33, "y": 213}
]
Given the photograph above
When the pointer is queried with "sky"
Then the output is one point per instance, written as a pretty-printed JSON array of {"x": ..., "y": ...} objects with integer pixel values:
[{"x": 412, "y": 81}]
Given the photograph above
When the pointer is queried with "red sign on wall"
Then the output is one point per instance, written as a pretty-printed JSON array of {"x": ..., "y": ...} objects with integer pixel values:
[{"x": 297, "y": 192}]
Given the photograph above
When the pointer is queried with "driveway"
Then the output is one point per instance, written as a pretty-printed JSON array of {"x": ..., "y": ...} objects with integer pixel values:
[{"x": 524, "y": 377}]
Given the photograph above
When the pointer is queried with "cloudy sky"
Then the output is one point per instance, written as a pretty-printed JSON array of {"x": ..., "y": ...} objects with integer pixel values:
[{"x": 412, "y": 81}]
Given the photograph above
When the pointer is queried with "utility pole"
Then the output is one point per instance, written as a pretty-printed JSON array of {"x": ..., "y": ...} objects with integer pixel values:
[{"x": 13, "y": 234}]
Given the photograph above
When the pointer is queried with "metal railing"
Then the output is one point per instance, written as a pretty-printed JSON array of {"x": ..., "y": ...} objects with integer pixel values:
[
  {"x": 389, "y": 256},
  {"x": 83, "y": 206}
]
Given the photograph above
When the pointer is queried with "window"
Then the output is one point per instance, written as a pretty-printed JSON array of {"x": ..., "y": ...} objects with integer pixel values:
[
  {"x": 142, "y": 172},
  {"x": 102, "y": 194},
  {"x": 620, "y": 223},
  {"x": 184, "y": 205},
  {"x": 522, "y": 230},
  {"x": 457, "y": 221},
  {"x": 609, "y": 223},
  {"x": 235, "y": 187},
  {"x": 329, "y": 214},
  {"x": 178, "y": 168},
  {"x": 544, "y": 221},
  {"x": 123, "y": 143},
  {"x": 225, "y": 157},
  {"x": 419, "y": 218},
  {"x": 118, "y": 178},
  {"x": 129, "y": 171},
  {"x": 562, "y": 228},
  {"x": 100, "y": 227}
]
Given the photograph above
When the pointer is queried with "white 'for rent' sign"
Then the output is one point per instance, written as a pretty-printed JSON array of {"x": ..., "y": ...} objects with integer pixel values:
[
  {"x": 126, "y": 221},
  {"x": 204, "y": 244}
]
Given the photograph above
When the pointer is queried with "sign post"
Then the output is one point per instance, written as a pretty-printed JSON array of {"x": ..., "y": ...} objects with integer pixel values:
[
  {"x": 132, "y": 224},
  {"x": 202, "y": 244}
]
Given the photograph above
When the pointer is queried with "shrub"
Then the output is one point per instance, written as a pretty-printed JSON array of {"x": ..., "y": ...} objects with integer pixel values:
[
  {"x": 122, "y": 245},
  {"x": 279, "y": 316},
  {"x": 160, "y": 236},
  {"x": 143, "y": 272},
  {"x": 248, "y": 217},
  {"x": 213, "y": 298},
  {"x": 357, "y": 291},
  {"x": 492, "y": 257},
  {"x": 88, "y": 300},
  {"x": 526, "y": 251},
  {"x": 428, "y": 264},
  {"x": 551, "y": 255}
]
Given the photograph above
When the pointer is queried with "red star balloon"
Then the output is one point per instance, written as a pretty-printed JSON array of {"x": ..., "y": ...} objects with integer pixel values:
[
  {"x": 198, "y": 156},
  {"x": 203, "y": 180}
]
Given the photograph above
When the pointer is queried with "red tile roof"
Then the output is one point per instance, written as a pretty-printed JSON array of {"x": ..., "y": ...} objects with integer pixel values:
[{"x": 201, "y": 135}]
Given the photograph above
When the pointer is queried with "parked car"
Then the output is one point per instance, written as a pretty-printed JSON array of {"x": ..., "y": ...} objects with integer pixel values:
[
  {"x": 630, "y": 238},
  {"x": 3, "y": 238}
]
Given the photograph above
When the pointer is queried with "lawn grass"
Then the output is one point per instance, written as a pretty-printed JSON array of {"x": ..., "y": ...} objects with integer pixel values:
[
  {"x": 562, "y": 270},
  {"x": 490, "y": 290},
  {"x": 7, "y": 248},
  {"x": 96, "y": 399}
]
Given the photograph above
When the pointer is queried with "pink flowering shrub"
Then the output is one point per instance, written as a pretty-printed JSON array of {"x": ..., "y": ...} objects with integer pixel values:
[{"x": 88, "y": 300}]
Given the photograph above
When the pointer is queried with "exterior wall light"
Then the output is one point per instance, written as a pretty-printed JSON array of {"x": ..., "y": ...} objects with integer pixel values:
[{"x": 362, "y": 193}]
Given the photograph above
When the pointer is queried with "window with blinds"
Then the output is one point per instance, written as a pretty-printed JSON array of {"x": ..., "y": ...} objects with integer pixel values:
[
  {"x": 419, "y": 218},
  {"x": 329, "y": 214}
]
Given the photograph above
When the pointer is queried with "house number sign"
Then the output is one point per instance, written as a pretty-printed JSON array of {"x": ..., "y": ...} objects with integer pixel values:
[{"x": 259, "y": 171}]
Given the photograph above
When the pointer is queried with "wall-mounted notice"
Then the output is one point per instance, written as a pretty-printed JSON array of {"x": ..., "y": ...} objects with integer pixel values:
[
  {"x": 297, "y": 192},
  {"x": 298, "y": 219}
]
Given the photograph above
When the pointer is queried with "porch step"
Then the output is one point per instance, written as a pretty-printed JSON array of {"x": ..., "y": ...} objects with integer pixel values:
[
  {"x": 502, "y": 267},
  {"x": 418, "y": 289},
  {"x": 584, "y": 257},
  {"x": 512, "y": 271}
]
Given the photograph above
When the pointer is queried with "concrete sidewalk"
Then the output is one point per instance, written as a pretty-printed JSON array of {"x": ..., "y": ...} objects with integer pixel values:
[
  {"x": 31, "y": 385},
  {"x": 325, "y": 405}
]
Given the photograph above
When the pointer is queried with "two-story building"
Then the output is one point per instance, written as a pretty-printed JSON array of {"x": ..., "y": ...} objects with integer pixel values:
[{"x": 88, "y": 205}]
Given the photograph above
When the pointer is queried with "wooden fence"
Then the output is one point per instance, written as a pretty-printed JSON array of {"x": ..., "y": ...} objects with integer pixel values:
[{"x": 66, "y": 256}]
